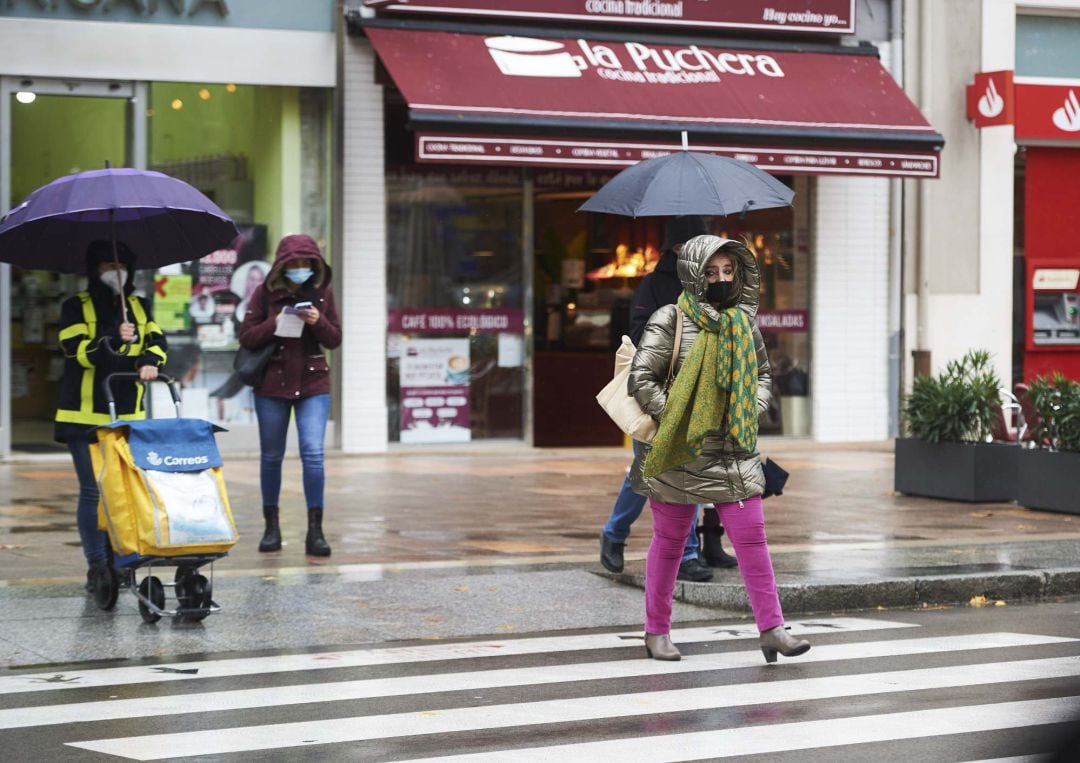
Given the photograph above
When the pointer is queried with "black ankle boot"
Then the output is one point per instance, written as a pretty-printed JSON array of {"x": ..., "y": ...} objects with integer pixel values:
[
  {"x": 315, "y": 544},
  {"x": 611, "y": 554},
  {"x": 271, "y": 539},
  {"x": 713, "y": 550}
]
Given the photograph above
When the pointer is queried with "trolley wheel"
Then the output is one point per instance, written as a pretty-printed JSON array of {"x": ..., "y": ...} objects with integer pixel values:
[
  {"x": 193, "y": 592},
  {"x": 106, "y": 588},
  {"x": 153, "y": 590}
]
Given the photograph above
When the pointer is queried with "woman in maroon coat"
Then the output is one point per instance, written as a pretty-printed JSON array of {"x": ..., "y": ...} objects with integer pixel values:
[{"x": 297, "y": 378}]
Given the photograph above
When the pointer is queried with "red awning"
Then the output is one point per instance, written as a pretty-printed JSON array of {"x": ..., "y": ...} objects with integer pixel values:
[{"x": 573, "y": 88}]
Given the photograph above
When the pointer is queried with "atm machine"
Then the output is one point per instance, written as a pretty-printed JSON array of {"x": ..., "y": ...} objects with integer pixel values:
[{"x": 1052, "y": 339}]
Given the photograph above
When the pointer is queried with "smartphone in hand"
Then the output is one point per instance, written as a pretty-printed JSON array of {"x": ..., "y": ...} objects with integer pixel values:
[{"x": 295, "y": 309}]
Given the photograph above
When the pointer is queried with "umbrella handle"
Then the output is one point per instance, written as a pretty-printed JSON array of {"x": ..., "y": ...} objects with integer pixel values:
[{"x": 116, "y": 261}]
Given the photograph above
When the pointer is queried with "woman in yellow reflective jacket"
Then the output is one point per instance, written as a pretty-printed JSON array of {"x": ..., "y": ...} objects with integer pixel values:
[{"x": 91, "y": 322}]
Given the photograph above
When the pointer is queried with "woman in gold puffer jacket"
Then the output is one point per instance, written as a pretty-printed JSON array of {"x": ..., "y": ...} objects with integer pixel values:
[{"x": 706, "y": 448}]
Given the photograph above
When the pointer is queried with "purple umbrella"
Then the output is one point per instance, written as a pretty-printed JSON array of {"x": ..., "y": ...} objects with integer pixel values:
[{"x": 162, "y": 220}]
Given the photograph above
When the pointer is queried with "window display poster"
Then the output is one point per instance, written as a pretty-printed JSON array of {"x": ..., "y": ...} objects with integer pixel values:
[
  {"x": 511, "y": 350},
  {"x": 227, "y": 279},
  {"x": 172, "y": 301},
  {"x": 434, "y": 378}
]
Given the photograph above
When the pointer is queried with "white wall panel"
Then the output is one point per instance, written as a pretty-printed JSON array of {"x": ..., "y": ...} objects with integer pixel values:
[
  {"x": 363, "y": 266},
  {"x": 166, "y": 52},
  {"x": 849, "y": 375}
]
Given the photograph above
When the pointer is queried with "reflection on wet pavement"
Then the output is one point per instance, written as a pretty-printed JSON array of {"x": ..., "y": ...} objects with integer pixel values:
[{"x": 527, "y": 508}]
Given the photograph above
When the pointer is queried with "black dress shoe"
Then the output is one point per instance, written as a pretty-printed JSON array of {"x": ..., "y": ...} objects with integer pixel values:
[
  {"x": 693, "y": 571},
  {"x": 611, "y": 554}
]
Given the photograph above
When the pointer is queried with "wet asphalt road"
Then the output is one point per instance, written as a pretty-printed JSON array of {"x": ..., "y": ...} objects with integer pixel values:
[{"x": 957, "y": 684}]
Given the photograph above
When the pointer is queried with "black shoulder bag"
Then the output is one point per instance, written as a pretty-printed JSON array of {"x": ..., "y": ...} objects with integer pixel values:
[{"x": 250, "y": 365}]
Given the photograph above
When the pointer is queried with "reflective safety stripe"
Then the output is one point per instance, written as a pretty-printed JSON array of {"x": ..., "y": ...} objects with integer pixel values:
[
  {"x": 86, "y": 414},
  {"x": 86, "y": 388},
  {"x": 72, "y": 331},
  {"x": 137, "y": 312},
  {"x": 81, "y": 355},
  {"x": 157, "y": 351},
  {"x": 78, "y": 417},
  {"x": 89, "y": 313}
]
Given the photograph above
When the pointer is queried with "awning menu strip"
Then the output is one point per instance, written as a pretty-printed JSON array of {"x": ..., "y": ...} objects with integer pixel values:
[{"x": 558, "y": 152}]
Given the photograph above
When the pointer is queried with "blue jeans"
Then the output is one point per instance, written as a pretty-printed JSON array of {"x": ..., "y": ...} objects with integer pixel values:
[
  {"x": 93, "y": 539},
  {"x": 628, "y": 507},
  {"x": 273, "y": 414}
]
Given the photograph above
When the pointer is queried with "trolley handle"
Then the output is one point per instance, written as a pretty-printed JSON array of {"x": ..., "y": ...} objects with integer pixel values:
[{"x": 124, "y": 375}]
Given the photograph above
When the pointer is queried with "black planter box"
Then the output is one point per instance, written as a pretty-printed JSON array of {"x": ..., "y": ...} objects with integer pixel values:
[
  {"x": 957, "y": 471},
  {"x": 1049, "y": 480}
]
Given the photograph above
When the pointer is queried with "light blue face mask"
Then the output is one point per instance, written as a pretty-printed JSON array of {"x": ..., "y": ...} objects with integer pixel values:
[{"x": 299, "y": 275}]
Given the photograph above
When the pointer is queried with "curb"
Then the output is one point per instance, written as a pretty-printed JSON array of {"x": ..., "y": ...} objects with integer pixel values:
[{"x": 820, "y": 596}]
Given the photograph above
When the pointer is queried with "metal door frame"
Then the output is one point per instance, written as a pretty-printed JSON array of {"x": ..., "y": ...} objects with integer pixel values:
[{"x": 136, "y": 144}]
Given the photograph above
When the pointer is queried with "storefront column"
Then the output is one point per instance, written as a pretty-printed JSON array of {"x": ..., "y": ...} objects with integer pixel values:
[
  {"x": 278, "y": 197},
  {"x": 361, "y": 274},
  {"x": 850, "y": 336},
  {"x": 6, "y": 91},
  {"x": 997, "y": 154}
]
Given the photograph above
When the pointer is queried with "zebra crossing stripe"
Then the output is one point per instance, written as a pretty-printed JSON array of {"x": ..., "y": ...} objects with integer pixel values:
[
  {"x": 360, "y": 728},
  {"x": 803, "y": 735},
  {"x": 240, "y": 699},
  {"x": 144, "y": 674}
]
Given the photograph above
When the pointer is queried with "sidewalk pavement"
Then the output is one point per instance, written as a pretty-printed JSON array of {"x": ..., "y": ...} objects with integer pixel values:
[{"x": 504, "y": 539}]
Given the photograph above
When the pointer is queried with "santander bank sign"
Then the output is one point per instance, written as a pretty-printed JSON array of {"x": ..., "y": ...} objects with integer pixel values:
[{"x": 624, "y": 62}]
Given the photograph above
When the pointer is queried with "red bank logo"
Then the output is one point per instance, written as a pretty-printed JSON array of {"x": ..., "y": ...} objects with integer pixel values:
[
  {"x": 1067, "y": 118},
  {"x": 991, "y": 103},
  {"x": 990, "y": 99}
]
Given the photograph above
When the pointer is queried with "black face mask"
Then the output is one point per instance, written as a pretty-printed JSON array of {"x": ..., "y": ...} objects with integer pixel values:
[{"x": 718, "y": 293}]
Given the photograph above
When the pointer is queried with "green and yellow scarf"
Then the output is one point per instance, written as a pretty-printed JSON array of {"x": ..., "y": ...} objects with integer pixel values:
[{"x": 715, "y": 390}]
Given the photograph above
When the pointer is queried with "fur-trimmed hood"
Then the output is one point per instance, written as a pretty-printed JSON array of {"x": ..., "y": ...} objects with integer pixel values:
[
  {"x": 691, "y": 268},
  {"x": 294, "y": 247}
]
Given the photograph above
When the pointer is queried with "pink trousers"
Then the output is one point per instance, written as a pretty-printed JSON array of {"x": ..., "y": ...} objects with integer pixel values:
[{"x": 745, "y": 527}]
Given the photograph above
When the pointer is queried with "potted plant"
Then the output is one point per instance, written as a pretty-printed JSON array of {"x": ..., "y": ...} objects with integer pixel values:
[
  {"x": 1048, "y": 476},
  {"x": 950, "y": 453}
]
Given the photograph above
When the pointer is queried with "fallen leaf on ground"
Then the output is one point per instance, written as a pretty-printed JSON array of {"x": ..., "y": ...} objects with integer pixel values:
[{"x": 977, "y": 601}]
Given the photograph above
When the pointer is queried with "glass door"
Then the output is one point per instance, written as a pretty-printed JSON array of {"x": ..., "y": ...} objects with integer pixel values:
[{"x": 48, "y": 129}]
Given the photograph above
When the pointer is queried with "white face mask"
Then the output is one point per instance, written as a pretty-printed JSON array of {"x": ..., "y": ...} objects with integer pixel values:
[{"x": 115, "y": 279}]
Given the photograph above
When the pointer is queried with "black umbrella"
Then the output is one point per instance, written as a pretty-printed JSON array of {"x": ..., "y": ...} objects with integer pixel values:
[
  {"x": 162, "y": 219},
  {"x": 689, "y": 183}
]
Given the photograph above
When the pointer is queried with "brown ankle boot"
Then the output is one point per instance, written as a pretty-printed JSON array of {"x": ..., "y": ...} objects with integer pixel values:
[
  {"x": 659, "y": 647},
  {"x": 779, "y": 640}
]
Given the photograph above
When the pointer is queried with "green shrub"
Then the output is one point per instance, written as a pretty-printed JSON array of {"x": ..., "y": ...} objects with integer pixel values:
[
  {"x": 1057, "y": 399},
  {"x": 958, "y": 405}
]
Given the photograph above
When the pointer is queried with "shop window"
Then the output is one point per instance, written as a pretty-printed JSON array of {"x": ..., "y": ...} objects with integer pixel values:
[
  {"x": 262, "y": 154},
  {"x": 455, "y": 348},
  {"x": 780, "y": 239},
  {"x": 586, "y": 270}
]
